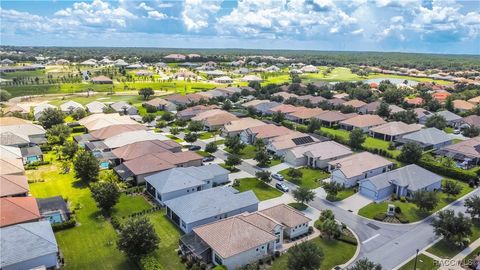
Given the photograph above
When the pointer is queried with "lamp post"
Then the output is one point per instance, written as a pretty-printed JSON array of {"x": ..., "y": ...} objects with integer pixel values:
[{"x": 415, "y": 264}]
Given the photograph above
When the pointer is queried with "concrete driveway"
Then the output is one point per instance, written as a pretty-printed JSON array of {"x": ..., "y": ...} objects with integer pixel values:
[{"x": 354, "y": 203}]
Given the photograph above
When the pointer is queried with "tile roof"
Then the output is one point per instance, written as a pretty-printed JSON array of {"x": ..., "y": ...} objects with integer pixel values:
[
  {"x": 362, "y": 121},
  {"x": 13, "y": 185},
  {"x": 355, "y": 103},
  {"x": 157, "y": 102},
  {"x": 10, "y": 152},
  {"x": 285, "y": 108},
  {"x": 269, "y": 131},
  {"x": 159, "y": 161},
  {"x": 95, "y": 107},
  {"x": 396, "y": 128},
  {"x": 11, "y": 166},
  {"x": 132, "y": 137},
  {"x": 16, "y": 210},
  {"x": 138, "y": 149},
  {"x": 113, "y": 130},
  {"x": 449, "y": 116},
  {"x": 24, "y": 129},
  {"x": 334, "y": 116},
  {"x": 306, "y": 113},
  {"x": 323, "y": 150},
  {"x": 469, "y": 148},
  {"x": 253, "y": 103},
  {"x": 71, "y": 105},
  {"x": 242, "y": 124},
  {"x": 463, "y": 105},
  {"x": 359, "y": 163},
  {"x": 215, "y": 117},
  {"x": 286, "y": 215},
  {"x": 472, "y": 120},
  {"x": 8, "y": 121}
]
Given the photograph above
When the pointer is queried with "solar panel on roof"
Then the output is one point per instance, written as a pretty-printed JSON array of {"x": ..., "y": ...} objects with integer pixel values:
[{"x": 302, "y": 140}]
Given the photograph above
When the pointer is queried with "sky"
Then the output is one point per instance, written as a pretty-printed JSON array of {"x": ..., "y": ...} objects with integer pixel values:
[{"x": 424, "y": 26}]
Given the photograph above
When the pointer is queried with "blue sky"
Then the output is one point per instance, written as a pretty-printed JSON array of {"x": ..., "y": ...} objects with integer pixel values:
[{"x": 446, "y": 26}]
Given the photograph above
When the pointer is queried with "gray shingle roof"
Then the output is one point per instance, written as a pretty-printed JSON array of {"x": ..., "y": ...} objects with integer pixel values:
[
  {"x": 31, "y": 151},
  {"x": 428, "y": 136},
  {"x": 449, "y": 116},
  {"x": 210, "y": 202},
  {"x": 412, "y": 176},
  {"x": 264, "y": 107},
  {"x": 26, "y": 241}
]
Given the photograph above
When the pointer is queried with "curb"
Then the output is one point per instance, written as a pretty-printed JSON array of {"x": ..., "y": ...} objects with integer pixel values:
[
  {"x": 355, "y": 256},
  {"x": 419, "y": 252}
]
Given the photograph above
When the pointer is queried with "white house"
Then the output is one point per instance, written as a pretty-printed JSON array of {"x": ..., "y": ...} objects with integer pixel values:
[{"x": 316, "y": 155}]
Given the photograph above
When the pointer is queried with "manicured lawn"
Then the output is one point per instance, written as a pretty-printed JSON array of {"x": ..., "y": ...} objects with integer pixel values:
[
  {"x": 335, "y": 253},
  {"x": 410, "y": 210},
  {"x": 342, "y": 195},
  {"x": 274, "y": 162},
  {"x": 298, "y": 206},
  {"x": 247, "y": 152},
  {"x": 129, "y": 204},
  {"x": 203, "y": 153},
  {"x": 471, "y": 257},
  {"x": 445, "y": 250},
  {"x": 262, "y": 190},
  {"x": 337, "y": 132},
  {"x": 423, "y": 263},
  {"x": 219, "y": 142},
  {"x": 178, "y": 140},
  {"x": 310, "y": 178},
  {"x": 231, "y": 169},
  {"x": 205, "y": 135}
]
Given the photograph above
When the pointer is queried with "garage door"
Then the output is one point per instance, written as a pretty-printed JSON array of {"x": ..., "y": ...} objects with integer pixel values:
[{"x": 367, "y": 193}]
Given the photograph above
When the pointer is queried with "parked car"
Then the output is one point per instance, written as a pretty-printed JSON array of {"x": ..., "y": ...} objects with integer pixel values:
[
  {"x": 277, "y": 176},
  {"x": 194, "y": 148},
  {"x": 282, "y": 187},
  {"x": 208, "y": 158},
  {"x": 457, "y": 131}
]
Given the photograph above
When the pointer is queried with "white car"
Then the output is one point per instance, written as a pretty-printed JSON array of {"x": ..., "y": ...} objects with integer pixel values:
[{"x": 278, "y": 177}]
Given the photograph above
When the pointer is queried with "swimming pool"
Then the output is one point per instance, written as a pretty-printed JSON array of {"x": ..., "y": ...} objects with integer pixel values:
[{"x": 54, "y": 217}]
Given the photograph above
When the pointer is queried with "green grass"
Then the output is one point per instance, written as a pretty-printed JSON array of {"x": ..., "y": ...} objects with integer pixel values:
[
  {"x": 448, "y": 130},
  {"x": 205, "y": 135},
  {"x": 310, "y": 177},
  {"x": 203, "y": 153},
  {"x": 173, "y": 137},
  {"x": 247, "y": 152},
  {"x": 423, "y": 263},
  {"x": 345, "y": 193},
  {"x": 443, "y": 249},
  {"x": 335, "y": 253},
  {"x": 298, "y": 206},
  {"x": 219, "y": 142},
  {"x": 262, "y": 190},
  {"x": 129, "y": 204},
  {"x": 274, "y": 162},
  {"x": 410, "y": 210},
  {"x": 471, "y": 257}
]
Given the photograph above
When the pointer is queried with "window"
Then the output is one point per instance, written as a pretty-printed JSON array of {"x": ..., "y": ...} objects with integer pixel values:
[
  {"x": 184, "y": 225},
  {"x": 218, "y": 260}
]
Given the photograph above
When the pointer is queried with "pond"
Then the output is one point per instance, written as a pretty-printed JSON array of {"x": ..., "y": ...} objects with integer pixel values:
[{"x": 392, "y": 80}]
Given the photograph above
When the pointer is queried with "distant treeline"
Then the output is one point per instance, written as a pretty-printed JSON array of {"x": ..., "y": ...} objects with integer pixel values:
[{"x": 330, "y": 58}]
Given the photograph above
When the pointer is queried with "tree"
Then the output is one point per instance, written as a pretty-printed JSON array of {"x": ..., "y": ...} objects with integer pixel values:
[
  {"x": 411, "y": 153},
  {"x": 471, "y": 131},
  {"x": 4, "y": 95},
  {"x": 357, "y": 137},
  {"x": 191, "y": 137},
  {"x": 211, "y": 147},
  {"x": 264, "y": 176},
  {"x": 86, "y": 166},
  {"x": 408, "y": 117},
  {"x": 383, "y": 110},
  {"x": 233, "y": 160},
  {"x": 259, "y": 144},
  {"x": 149, "y": 117},
  {"x": 278, "y": 117},
  {"x": 436, "y": 121},
  {"x": 167, "y": 116},
  {"x": 326, "y": 214},
  {"x": 294, "y": 174},
  {"x": 262, "y": 157},
  {"x": 425, "y": 200},
  {"x": 57, "y": 134},
  {"x": 69, "y": 149},
  {"x": 314, "y": 125},
  {"x": 79, "y": 113},
  {"x": 195, "y": 126},
  {"x": 393, "y": 95},
  {"x": 146, "y": 92},
  {"x": 472, "y": 204},
  {"x": 305, "y": 256},
  {"x": 365, "y": 264},
  {"x": 449, "y": 104},
  {"x": 137, "y": 238},
  {"x": 451, "y": 188},
  {"x": 303, "y": 195},
  {"x": 227, "y": 105},
  {"x": 332, "y": 189},
  {"x": 330, "y": 228},
  {"x": 51, "y": 117},
  {"x": 454, "y": 229},
  {"x": 174, "y": 130},
  {"x": 234, "y": 143},
  {"x": 106, "y": 194}
]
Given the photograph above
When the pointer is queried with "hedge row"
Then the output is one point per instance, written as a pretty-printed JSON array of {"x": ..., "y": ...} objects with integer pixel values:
[
  {"x": 150, "y": 263},
  {"x": 64, "y": 225},
  {"x": 455, "y": 173}
]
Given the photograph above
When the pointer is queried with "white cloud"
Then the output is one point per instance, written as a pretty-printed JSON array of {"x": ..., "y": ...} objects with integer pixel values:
[
  {"x": 196, "y": 13},
  {"x": 156, "y": 15},
  {"x": 145, "y": 7}
]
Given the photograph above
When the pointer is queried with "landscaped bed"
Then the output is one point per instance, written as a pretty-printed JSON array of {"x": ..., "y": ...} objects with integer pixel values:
[
  {"x": 343, "y": 194},
  {"x": 311, "y": 178},
  {"x": 262, "y": 190},
  {"x": 298, "y": 206},
  {"x": 445, "y": 250},
  {"x": 408, "y": 209},
  {"x": 335, "y": 253}
]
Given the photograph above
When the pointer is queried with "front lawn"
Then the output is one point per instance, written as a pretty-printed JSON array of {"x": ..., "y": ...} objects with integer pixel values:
[
  {"x": 247, "y": 152},
  {"x": 203, "y": 153},
  {"x": 410, "y": 210},
  {"x": 423, "y": 263},
  {"x": 311, "y": 178},
  {"x": 174, "y": 138},
  {"x": 445, "y": 250},
  {"x": 262, "y": 190},
  {"x": 298, "y": 206},
  {"x": 344, "y": 193},
  {"x": 219, "y": 142},
  {"x": 205, "y": 135},
  {"x": 335, "y": 253},
  {"x": 274, "y": 162}
]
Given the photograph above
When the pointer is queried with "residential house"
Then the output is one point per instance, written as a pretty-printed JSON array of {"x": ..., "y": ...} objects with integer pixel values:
[
  {"x": 206, "y": 206},
  {"x": 349, "y": 170},
  {"x": 294, "y": 222},
  {"x": 336, "y": 101},
  {"x": 95, "y": 107},
  {"x": 395, "y": 109},
  {"x": 13, "y": 185},
  {"x": 316, "y": 155},
  {"x": 190, "y": 112},
  {"x": 9, "y": 121},
  {"x": 363, "y": 122},
  {"x": 264, "y": 107},
  {"x": 114, "y": 130},
  {"x": 284, "y": 108},
  {"x": 416, "y": 101},
  {"x": 31, "y": 133},
  {"x": 135, "y": 170},
  {"x": 15, "y": 210},
  {"x": 441, "y": 96},
  {"x": 453, "y": 120},
  {"x": 178, "y": 99},
  {"x": 263, "y": 132},
  {"x": 422, "y": 115},
  {"x": 31, "y": 154},
  {"x": 475, "y": 100},
  {"x": 285, "y": 95},
  {"x": 369, "y": 108},
  {"x": 223, "y": 79},
  {"x": 54, "y": 209},
  {"x": 471, "y": 120},
  {"x": 462, "y": 105},
  {"x": 280, "y": 144},
  {"x": 235, "y": 127},
  {"x": 123, "y": 108},
  {"x": 402, "y": 182},
  {"x": 28, "y": 246},
  {"x": 38, "y": 110},
  {"x": 429, "y": 138},
  {"x": 101, "y": 120},
  {"x": 161, "y": 104},
  {"x": 255, "y": 102},
  {"x": 142, "y": 148},
  {"x": 251, "y": 78},
  {"x": 11, "y": 166},
  {"x": 467, "y": 152},
  {"x": 177, "y": 182},
  {"x": 392, "y": 131},
  {"x": 315, "y": 100},
  {"x": 214, "y": 119},
  {"x": 132, "y": 137},
  {"x": 356, "y": 104},
  {"x": 102, "y": 80},
  {"x": 304, "y": 114},
  {"x": 331, "y": 118},
  {"x": 70, "y": 106},
  {"x": 10, "y": 152}
]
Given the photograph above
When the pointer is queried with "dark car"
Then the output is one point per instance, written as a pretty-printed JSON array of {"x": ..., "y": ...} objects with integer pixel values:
[
  {"x": 194, "y": 148},
  {"x": 282, "y": 187},
  {"x": 208, "y": 158}
]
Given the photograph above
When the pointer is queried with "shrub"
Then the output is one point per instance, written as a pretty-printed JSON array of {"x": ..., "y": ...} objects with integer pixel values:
[
  {"x": 398, "y": 210},
  {"x": 115, "y": 224},
  {"x": 401, "y": 218},
  {"x": 78, "y": 129},
  {"x": 347, "y": 239},
  {"x": 455, "y": 173},
  {"x": 380, "y": 216},
  {"x": 403, "y": 199},
  {"x": 64, "y": 225},
  {"x": 302, "y": 128},
  {"x": 150, "y": 263}
]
